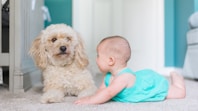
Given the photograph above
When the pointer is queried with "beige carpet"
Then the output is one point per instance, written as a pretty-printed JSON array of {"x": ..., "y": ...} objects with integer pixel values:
[{"x": 29, "y": 101}]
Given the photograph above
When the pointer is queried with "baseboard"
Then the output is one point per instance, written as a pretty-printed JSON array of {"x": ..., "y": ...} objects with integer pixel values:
[
  {"x": 30, "y": 79},
  {"x": 24, "y": 80},
  {"x": 166, "y": 70}
]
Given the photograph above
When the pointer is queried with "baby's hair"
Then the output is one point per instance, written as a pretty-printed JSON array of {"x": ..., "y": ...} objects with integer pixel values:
[{"x": 121, "y": 42}]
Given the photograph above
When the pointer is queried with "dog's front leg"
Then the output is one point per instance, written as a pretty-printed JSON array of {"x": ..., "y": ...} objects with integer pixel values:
[
  {"x": 87, "y": 91},
  {"x": 52, "y": 96}
]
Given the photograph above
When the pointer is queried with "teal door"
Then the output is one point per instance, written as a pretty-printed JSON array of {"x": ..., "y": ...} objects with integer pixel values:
[
  {"x": 60, "y": 11},
  {"x": 177, "y": 13}
]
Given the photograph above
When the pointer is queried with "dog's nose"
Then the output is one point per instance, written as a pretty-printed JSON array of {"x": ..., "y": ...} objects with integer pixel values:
[{"x": 63, "y": 48}]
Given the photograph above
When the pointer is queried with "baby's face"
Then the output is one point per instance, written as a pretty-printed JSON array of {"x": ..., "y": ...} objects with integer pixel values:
[{"x": 102, "y": 59}]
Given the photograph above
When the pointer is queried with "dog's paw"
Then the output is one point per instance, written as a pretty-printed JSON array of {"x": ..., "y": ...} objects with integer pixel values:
[
  {"x": 87, "y": 92},
  {"x": 52, "y": 96}
]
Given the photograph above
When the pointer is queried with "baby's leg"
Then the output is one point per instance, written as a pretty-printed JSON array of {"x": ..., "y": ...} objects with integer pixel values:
[{"x": 177, "y": 87}]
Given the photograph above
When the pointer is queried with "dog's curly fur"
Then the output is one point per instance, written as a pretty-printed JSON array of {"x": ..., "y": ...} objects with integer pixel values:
[{"x": 59, "y": 52}]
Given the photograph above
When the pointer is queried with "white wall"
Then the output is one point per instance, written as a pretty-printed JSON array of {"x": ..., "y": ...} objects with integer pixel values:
[
  {"x": 143, "y": 26},
  {"x": 140, "y": 21}
]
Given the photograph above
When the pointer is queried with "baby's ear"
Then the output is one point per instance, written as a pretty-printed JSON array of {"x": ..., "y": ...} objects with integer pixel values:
[
  {"x": 111, "y": 61},
  {"x": 80, "y": 56},
  {"x": 37, "y": 51}
]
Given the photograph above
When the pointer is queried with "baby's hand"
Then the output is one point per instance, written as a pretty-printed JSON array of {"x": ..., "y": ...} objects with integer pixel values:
[{"x": 85, "y": 100}]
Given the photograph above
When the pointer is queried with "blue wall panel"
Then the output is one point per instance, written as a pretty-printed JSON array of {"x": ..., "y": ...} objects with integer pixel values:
[
  {"x": 183, "y": 10},
  {"x": 177, "y": 13},
  {"x": 169, "y": 33}
]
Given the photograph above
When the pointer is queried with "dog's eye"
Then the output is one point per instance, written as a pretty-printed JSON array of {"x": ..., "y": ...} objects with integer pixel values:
[
  {"x": 68, "y": 38},
  {"x": 54, "y": 39}
]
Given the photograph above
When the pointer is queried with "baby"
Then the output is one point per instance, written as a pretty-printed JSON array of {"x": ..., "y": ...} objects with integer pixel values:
[{"x": 122, "y": 84}]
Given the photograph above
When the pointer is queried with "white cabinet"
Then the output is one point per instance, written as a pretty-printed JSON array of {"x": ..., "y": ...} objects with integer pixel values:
[{"x": 191, "y": 61}]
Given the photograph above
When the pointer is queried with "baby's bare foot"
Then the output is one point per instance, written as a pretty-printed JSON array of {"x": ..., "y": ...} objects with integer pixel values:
[{"x": 177, "y": 80}]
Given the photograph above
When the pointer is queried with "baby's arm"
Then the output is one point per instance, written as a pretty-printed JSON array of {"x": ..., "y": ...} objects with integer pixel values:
[{"x": 104, "y": 94}]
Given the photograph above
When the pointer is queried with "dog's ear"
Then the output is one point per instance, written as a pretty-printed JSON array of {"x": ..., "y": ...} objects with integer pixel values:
[
  {"x": 37, "y": 51},
  {"x": 80, "y": 56}
]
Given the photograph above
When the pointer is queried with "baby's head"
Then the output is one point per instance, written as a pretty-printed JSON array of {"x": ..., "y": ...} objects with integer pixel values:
[{"x": 116, "y": 46}]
